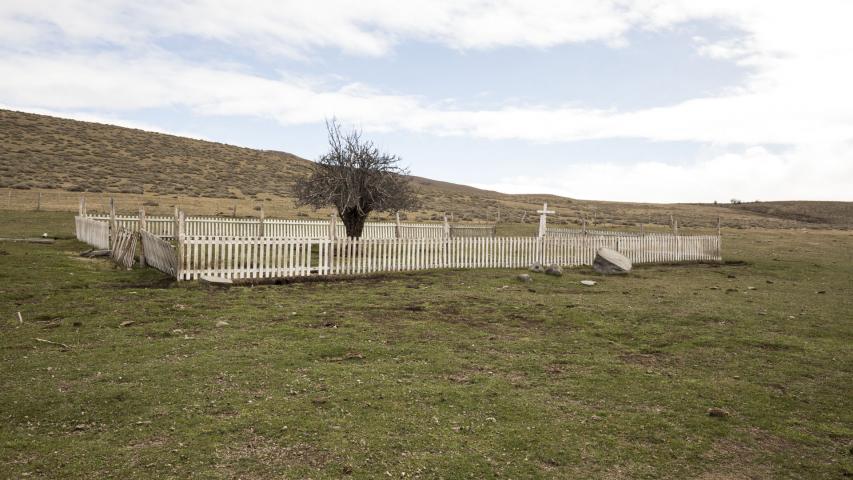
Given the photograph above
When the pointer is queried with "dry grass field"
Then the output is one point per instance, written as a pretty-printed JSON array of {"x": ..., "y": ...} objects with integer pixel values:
[
  {"x": 434, "y": 374},
  {"x": 64, "y": 159}
]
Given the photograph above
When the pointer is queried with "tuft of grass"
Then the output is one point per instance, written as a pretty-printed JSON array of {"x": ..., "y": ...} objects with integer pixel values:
[{"x": 439, "y": 374}]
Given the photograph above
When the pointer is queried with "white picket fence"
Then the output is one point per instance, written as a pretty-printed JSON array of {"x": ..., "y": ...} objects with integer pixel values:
[
  {"x": 93, "y": 232},
  {"x": 164, "y": 227},
  {"x": 255, "y": 258}
]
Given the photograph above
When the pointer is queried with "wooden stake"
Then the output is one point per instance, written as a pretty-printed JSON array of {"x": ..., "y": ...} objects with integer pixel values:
[
  {"x": 234, "y": 210},
  {"x": 113, "y": 230},
  {"x": 398, "y": 229},
  {"x": 261, "y": 224},
  {"x": 142, "y": 226},
  {"x": 38, "y": 202},
  {"x": 719, "y": 227},
  {"x": 53, "y": 343},
  {"x": 446, "y": 227},
  {"x": 20, "y": 318}
]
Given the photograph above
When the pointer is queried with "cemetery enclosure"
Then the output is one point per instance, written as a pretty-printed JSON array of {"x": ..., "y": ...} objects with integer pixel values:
[{"x": 303, "y": 248}]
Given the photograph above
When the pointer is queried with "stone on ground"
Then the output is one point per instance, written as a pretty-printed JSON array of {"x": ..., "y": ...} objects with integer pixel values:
[
  {"x": 537, "y": 267},
  {"x": 608, "y": 261},
  {"x": 588, "y": 283},
  {"x": 222, "y": 323},
  {"x": 555, "y": 270},
  {"x": 525, "y": 278},
  {"x": 215, "y": 281}
]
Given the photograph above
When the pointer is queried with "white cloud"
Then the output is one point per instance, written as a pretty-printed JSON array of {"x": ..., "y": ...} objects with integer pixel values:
[
  {"x": 796, "y": 93},
  {"x": 748, "y": 174}
]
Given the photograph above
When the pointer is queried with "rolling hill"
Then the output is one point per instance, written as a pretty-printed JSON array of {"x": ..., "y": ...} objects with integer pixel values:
[{"x": 49, "y": 154}]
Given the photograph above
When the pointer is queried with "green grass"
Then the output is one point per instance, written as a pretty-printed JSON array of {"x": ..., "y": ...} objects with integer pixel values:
[{"x": 450, "y": 374}]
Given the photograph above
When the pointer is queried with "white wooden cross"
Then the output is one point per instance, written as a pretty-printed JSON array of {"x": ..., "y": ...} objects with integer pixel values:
[{"x": 543, "y": 216}]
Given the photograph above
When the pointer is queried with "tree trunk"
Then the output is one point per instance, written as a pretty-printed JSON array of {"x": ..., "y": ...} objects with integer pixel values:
[{"x": 353, "y": 221}]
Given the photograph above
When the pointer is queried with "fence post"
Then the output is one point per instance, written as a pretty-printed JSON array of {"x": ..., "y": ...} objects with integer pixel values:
[
  {"x": 38, "y": 202},
  {"x": 333, "y": 226},
  {"x": 82, "y": 205},
  {"x": 398, "y": 229},
  {"x": 142, "y": 226},
  {"x": 175, "y": 226},
  {"x": 261, "y": 224},
  {"x": 446, "y": 227},
  {"x": 584, "y": 226},
  {"x": 179, "y": 238},
  {"x": 113, "y": 229},
  {"x": 643, "y": 229},
  {"x": 718, "y": 227},
  {"x": 675, "y": 227},
  {"x": 234, "y": 210}
]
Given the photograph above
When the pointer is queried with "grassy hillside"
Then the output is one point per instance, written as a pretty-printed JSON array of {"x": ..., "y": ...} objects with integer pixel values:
[{"x": 64, "y": 158}]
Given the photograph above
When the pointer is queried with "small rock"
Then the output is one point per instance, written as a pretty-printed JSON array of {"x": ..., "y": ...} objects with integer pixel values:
[
  {"x": 751, "y": 288},
  {"x": 730, "y": 276},
  {"x": 821, "y": 292},
  {"x": 126, "y": 323},
  {"x": 715, "y": 288},
  {"x": 537, "y": 267},
  {"x": 717, "y": 412},
  {"x": 588, "y": 283},
  {"x": 215, "y": 281},
  {"x": 524, "y": 277},
  {"x": 770, "y": 282},
  {"x": 222, "y": 323},
  {"x": 554, "y": 270}
]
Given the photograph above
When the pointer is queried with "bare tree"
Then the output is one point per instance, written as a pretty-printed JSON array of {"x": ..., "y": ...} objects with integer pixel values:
[{"x": 356, "y": 178}]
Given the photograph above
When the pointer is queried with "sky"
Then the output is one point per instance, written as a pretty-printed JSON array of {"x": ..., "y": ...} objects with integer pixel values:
[{"x": 628, "y": 100}]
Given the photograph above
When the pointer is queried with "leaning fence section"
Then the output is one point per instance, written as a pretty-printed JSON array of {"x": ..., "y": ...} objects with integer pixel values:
[
  {"x": 256, "y": 258},
  {"x": 159, "y": 253},
  {"x": 124, "y": 247}
]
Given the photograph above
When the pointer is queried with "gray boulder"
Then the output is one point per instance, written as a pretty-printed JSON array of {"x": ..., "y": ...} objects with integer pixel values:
[
  {"x": 608, "y": 262},
  {"x": 554, "y": 270},
  {"x": 524, "y": 278},
  {"x": 537, "y": 267}
]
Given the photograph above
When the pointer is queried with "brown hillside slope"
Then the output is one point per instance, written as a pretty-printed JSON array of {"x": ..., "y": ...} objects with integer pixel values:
[{"x": 43, "y": 153}]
